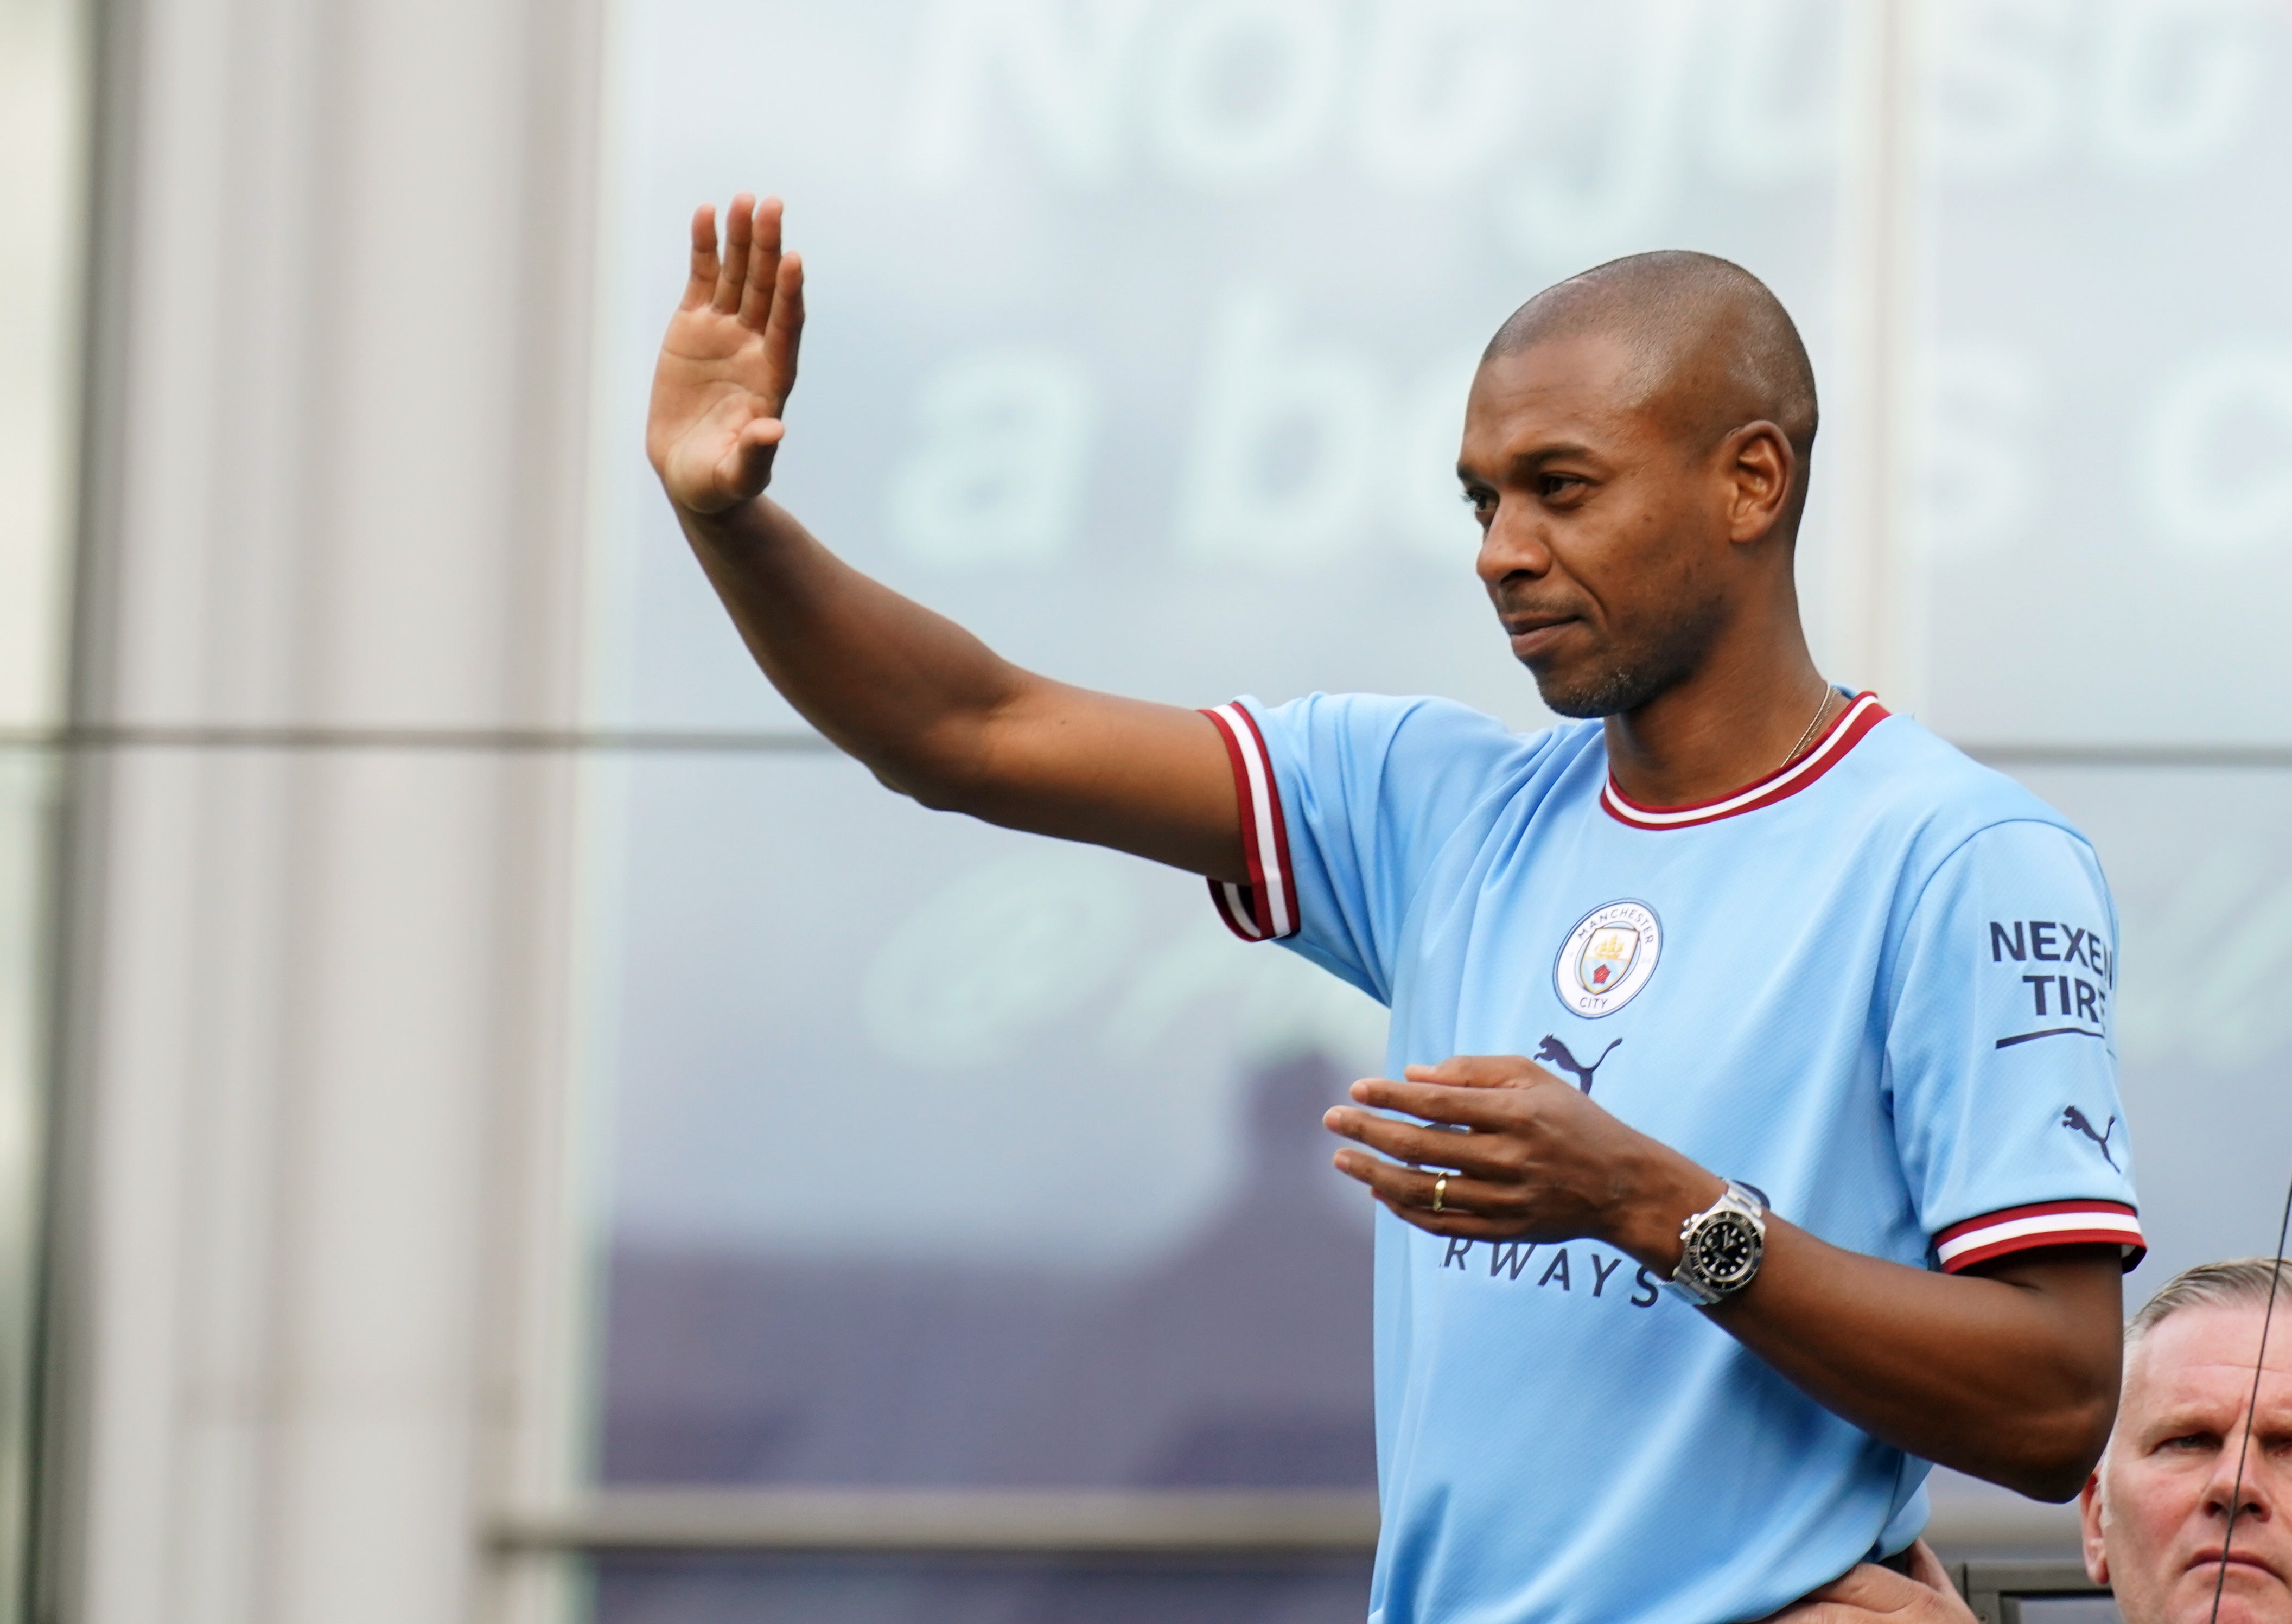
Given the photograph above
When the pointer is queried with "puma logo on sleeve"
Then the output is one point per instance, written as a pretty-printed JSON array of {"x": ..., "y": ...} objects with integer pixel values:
[{"x": 2072, "y": 1118}]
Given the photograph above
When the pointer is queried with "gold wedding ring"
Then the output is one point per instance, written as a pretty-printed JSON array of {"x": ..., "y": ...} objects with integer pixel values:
[{"x": 1439, "y": 1191}]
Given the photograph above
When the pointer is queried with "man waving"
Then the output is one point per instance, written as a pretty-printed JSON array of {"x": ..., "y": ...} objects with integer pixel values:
[{"x": 1671, "y": 1332}]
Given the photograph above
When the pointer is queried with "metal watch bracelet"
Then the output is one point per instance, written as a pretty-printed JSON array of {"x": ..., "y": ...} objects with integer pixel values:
[{"x": 1721, "y": 1247}]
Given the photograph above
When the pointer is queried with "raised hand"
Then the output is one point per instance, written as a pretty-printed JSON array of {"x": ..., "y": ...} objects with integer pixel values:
[{"x": 728, "y": 362}]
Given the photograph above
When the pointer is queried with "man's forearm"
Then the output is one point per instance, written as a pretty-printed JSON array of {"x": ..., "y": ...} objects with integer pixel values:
[
  {"x": 933, "y": 711},
  {"x": 2009, "y": 1374},
  {"x": 939, "y": 716},
  {"x": 906, "y": 691},
  {"x": 2011, "y": 1377}
]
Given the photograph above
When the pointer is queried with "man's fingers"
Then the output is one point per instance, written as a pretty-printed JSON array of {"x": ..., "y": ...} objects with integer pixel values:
[
  {"x": 763, "y": 266},
  {"x": 1926, "y": 1568},
  {"x": 700, "y": 287},
  {"x": 740, "y": 232},
  {"x": 1415, "y": 1189},
  {"x": 1448, "y": 1221},
  {"x": 1481, "y": 1072},
  {"x": 784, "y": 336},
  {"x": 1871, "y": 1588},
  {"x": 1865, "y": 1594},
  {"x": 753, "y": 449},
  {"x": 1437, "y": 1103},
  {"x": 1405, "y": 1142},
  {"x": 1869, "y": 1585},
  {"x": 747, "y": 464}
]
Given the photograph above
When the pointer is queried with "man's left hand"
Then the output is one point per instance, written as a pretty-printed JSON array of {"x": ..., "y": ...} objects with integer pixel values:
[
  {"x": 1868, "y": 1594},
  {"x": 1528, "y": 1157}
]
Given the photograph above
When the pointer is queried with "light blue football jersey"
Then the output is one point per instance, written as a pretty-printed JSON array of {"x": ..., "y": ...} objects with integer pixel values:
[{"x": 1875, "y": 986}]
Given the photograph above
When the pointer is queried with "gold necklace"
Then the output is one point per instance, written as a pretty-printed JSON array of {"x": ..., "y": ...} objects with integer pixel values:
[{"x": 1821, "y": 711}]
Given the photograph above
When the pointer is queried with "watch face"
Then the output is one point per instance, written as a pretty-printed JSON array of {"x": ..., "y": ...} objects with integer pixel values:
[{"x": 1726, "y": 1249}]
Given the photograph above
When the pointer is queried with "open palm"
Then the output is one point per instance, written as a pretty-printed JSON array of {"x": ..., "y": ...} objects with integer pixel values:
[{"x": 728, "y": 362}]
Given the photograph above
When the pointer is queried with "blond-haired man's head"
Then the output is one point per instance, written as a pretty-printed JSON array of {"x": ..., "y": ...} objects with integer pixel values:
[{"x": 2157, "y": 1508}]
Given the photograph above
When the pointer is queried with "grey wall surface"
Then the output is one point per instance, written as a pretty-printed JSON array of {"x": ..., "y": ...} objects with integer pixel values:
[{"x": 314, "y": 1311}]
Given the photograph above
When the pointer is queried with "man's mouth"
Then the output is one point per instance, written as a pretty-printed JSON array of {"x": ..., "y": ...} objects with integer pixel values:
[
  {"x": 1531, "y": 634},
  {"x": 2237, "y": 1558}
]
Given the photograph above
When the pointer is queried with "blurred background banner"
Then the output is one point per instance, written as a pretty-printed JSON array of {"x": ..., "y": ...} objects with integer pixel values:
[
  {"x": 1139, "y": 339},
  {"x": 1143, "y": 329},
  {"x": 538, "y": 1136}
]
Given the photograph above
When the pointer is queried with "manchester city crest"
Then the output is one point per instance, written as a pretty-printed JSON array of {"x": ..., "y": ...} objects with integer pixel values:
[{"x": 1608, "y": 957}]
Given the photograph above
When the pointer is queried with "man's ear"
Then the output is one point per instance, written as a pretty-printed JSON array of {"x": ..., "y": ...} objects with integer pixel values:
[
  {"x": 2089, "y": 1510},
  {"x": 1760, "y": 465}
]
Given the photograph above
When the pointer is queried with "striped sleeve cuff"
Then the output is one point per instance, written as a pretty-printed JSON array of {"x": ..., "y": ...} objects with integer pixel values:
[
  {"x": 2022, "y": 1229},
  {"x": 1265, "y": 909}
]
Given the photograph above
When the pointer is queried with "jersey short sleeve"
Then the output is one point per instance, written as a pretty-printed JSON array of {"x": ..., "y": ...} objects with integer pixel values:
[
  {"x": 1346, "y": 800},
  {"x": 2001, "y": 1051}
]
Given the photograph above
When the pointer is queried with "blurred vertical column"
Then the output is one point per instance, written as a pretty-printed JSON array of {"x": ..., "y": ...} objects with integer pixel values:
[
  {"x": 314, "y": 1311},
  {"x": 43, "y": 122},
  {"x": 1864, "y": 613}
]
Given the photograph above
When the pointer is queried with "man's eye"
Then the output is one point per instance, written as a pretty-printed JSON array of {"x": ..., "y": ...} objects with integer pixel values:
[
  {"x": 2188, "y": 1443},
  {"x": 1558, "y": 484}
]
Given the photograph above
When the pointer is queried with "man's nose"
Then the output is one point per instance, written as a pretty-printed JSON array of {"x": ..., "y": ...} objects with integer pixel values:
[
  {"x": 2248, "y": 1489},
  {"x": 1511, "y": 546}
]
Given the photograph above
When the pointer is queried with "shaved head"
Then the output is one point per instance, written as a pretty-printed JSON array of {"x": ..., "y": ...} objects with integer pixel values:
[
  {"x": 1635, "y": 449},
  {"x": 1713, "y": 347}
]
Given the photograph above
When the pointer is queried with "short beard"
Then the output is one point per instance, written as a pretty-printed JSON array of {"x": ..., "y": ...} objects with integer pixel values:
[
  {"x": 1641, "y": 674},
  {"x": 1617, "y": 690}
]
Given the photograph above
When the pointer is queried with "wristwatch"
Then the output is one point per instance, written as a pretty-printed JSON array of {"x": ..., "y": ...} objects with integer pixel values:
[{"x": 1720, "y": 1246}]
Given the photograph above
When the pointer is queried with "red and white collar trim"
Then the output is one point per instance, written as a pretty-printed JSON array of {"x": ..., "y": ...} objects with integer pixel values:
[{"x": 1862, "y": 715}]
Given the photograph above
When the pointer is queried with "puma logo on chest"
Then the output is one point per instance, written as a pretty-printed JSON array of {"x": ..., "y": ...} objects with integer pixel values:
[{"x": 1551, "y": 1052}]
